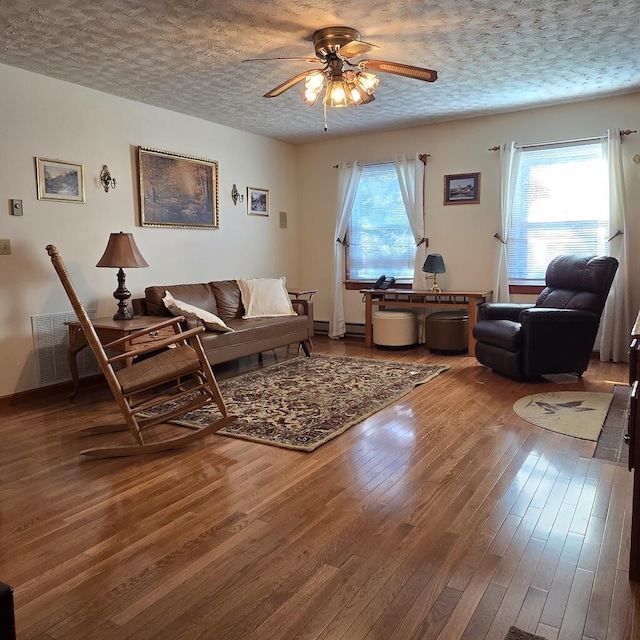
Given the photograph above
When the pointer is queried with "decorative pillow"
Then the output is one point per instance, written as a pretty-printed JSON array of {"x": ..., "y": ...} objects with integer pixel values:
[
  {"x": 265, "y": 297},
  {"x": 180, "y": 308}
]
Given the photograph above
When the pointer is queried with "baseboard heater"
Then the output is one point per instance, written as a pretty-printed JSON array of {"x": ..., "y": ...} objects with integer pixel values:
[
  {"x": 7, "y": 616},
  {"x": 353, "y": 330}
]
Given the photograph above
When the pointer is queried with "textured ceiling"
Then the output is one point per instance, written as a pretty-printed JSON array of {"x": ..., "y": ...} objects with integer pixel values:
[{"x": 186, "y": 55}]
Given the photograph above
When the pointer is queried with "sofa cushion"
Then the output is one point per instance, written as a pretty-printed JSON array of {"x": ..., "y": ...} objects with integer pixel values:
[
  {"x": 199, "y": 295},
  {"x": 254, "y": 330},
  {"x": 265, "y": 298},
  {"x": 181, "y": 308},
  {"x": 228, "y": 299}
]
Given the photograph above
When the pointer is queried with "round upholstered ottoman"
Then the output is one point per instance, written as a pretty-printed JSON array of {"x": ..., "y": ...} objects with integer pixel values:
[
  {"x": 447, "y": 331},
  {"x": 395, "y": 328}
]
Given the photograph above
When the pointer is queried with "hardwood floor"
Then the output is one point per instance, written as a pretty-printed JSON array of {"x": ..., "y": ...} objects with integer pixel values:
[{"x": 442, "y": 517}]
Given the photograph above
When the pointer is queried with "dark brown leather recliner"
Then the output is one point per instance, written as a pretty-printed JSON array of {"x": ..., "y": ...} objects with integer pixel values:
[{"x": 556, "y": 335}]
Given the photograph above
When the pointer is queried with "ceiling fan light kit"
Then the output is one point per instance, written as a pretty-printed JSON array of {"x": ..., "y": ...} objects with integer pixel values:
[{"x": 343, "y": 87}]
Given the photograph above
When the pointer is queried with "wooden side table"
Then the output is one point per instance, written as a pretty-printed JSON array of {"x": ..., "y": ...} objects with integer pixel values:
[
  {"x": 301, "y": 294},
  {"x": 108, "y": 330}
]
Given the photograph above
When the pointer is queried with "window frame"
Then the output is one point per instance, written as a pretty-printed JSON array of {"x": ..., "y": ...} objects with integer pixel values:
[
  {"x": 535, "y": 285},
  {"x": 351, "y": 283}
]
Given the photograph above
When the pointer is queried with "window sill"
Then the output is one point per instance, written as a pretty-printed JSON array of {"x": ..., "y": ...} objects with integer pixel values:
[{"x": 526, "y": 289}]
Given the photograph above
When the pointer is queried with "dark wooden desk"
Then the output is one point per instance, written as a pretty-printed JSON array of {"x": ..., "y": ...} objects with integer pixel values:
[
  {"x": 108, "y": 330},
  {"x": 412, "y": 298}
]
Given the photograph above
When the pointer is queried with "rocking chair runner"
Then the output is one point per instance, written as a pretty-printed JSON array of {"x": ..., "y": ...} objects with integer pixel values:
[{"x": 174, "y": 369}]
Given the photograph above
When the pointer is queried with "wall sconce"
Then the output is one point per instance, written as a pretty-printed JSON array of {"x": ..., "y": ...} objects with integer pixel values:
[
  {"x": 235, "y": 195},
  {"x": 106, "y": 180}
]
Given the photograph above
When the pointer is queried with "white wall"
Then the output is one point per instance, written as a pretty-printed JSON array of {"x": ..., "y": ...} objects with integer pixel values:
[
  {"x": 52, "y": 119},
  {"x": 56, "y": 120},
  {"x": 461, "y": 233}
]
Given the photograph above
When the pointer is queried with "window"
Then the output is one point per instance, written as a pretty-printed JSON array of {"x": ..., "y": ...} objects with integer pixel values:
[
  {"x": 561, "y": 205},
  {"x": 379, "y": 236}
]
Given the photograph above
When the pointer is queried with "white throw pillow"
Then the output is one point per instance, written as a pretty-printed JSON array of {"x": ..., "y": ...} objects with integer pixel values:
[
  {"x": 265, "y": 297},
  {"x": 180, "y": 308}
]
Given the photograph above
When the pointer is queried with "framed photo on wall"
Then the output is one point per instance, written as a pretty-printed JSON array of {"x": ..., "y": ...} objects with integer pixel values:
[
  {"x": 462, "y": 188},
  {"x": 58, "y": 180},
  {"x": 257, "y": 201},
  {"x": 177, "y": 190}
]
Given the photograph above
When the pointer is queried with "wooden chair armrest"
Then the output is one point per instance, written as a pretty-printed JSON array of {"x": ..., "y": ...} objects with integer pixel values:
[
  {"x": 156, "y": 345},
  {"x": 146, "y": 331}
]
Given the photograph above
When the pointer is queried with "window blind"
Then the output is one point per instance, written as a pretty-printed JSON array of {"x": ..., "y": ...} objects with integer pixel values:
[
  {"x": 561, "y": 205},
  {"x": 379, "y": 236}
]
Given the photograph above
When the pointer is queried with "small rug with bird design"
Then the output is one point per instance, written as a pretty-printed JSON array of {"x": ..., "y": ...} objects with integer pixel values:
[{"x": 579, "y": 414}]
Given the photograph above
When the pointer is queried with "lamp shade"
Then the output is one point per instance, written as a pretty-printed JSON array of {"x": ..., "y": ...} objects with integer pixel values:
[
  {"x": 434, "y": 264},
  {"x": 122, "y": 251}
]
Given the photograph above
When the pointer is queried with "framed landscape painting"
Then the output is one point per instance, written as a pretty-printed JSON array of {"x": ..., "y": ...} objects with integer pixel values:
[
  {"x": 462, "y": 188},
  {"x": 58, "y": 180},
  {"x": 177, "y": 190},
  {"x": 257, "y": 201}
]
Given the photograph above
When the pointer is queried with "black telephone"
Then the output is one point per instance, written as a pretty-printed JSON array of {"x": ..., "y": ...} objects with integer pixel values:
[{"x": 384, "y": 283}]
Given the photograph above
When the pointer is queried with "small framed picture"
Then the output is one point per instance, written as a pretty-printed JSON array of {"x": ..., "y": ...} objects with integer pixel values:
[
  {"x": 462, "y": 188},
  {"x": 257, "y": 201},
  {"x": 57, "y": 180}
]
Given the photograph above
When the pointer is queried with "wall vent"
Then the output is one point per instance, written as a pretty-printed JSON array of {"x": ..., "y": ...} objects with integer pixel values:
[{"x": 51, "y": 342}]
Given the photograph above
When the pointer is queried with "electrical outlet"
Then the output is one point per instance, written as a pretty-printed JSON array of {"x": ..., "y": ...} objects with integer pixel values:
[{"x": 5, "y": 247}]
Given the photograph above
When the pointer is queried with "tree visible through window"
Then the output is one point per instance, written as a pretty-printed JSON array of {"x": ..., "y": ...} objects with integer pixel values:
[
  {"x": 561, "y": 205},
  {"x": 379, "y": 237}
]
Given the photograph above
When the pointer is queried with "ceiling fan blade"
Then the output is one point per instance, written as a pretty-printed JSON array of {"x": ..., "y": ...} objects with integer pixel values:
[
  {"x": 406, "y": 70},
  {"x": 310, "y": 60},
  {"x": 287, "y": 84},
  {"x": 356, "y": 48}
]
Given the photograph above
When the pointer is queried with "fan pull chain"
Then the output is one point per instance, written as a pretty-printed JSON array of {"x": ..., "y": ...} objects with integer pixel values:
[{"x": 324, "y": 108}]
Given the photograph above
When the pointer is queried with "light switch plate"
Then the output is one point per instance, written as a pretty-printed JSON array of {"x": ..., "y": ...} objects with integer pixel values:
[
  {"x": 5, "y": 247},
  {"x": 283, "y": 219},
  {"x": 16, "y": 207}
]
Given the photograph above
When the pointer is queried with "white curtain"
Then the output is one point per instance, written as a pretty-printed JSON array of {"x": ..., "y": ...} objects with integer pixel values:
[
  {"x": 348, "y": 179},
  {"x": 617, "y": 320},
  {"x": 411, "y": 178},
  {"x": 509, "y": 159}
]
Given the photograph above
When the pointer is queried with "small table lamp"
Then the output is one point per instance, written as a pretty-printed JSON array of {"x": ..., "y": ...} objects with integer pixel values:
[
  {"x": 122, "y": 251},
  {"x": 434, "y": 264}
]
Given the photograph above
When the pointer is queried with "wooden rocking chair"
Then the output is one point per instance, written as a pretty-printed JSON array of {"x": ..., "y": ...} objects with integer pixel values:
[{"x": 174, "y": 369}]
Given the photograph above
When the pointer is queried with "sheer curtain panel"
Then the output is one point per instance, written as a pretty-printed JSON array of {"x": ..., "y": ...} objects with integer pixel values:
[
  {"x": 411, "y": 179},
  {"x": 617, "y": 318},
  {"x": 509, "y": 159},
  {"x": 348, "y": 178}
]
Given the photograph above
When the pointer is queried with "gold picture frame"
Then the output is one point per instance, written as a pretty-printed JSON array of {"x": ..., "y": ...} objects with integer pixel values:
[
  {"x": 257, "y": 201},
  {"x": 60, "y": 180},
  {"x": 177, "y": 190}
]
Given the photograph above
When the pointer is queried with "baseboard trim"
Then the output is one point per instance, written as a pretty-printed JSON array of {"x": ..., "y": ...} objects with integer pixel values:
[
  {"x": 61, "y": 389},
  {"x": 353, "y": 330}
]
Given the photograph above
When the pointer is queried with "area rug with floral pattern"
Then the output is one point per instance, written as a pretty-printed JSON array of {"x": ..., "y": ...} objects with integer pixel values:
[{"x": 304, "y": 402}]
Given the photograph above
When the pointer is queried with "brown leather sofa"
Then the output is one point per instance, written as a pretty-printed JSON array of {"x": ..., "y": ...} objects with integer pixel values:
[{"x": 223, "y": 299}]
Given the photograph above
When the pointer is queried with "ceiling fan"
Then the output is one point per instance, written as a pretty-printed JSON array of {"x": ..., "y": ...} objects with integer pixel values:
[{"x": 345, "y": 83}]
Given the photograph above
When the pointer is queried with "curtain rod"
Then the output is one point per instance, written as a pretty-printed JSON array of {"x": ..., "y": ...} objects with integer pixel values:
[
  {"x": 626, "y": 132},
  {"x": 421, "y": 156}
]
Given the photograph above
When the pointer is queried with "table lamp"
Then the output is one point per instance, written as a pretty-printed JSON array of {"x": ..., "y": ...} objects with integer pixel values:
[
  {"x": 434, "y": 264},
  {"x": 122, "y": 251}
]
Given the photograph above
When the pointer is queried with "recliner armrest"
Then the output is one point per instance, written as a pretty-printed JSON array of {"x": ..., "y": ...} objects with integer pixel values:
[{"x": 502, "y": 311}]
